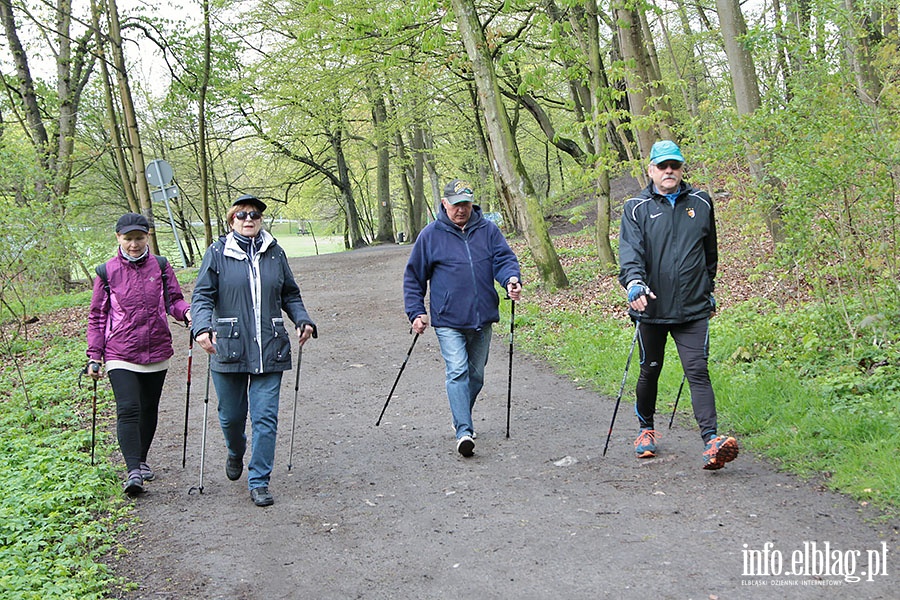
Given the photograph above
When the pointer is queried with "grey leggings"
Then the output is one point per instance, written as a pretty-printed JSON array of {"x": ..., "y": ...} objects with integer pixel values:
[{"x": 692, "y": 342}]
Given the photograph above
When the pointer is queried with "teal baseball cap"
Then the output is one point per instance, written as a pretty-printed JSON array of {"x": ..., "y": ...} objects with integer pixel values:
[{"x": 665, "y": 150}]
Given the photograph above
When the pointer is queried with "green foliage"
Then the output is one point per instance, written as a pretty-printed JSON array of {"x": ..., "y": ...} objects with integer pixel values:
[{"x": 59, "y": 514}]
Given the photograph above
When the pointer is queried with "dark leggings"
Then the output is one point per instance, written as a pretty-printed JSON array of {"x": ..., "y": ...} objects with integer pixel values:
[
  {"x": 692, "y": 342},
  {"x": 137, "y": 411}
]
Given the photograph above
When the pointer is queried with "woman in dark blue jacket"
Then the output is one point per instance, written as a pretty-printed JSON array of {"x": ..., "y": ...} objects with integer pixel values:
[
  {"x": 461, "y": 254},
  {"x": 242, "y": 288}
]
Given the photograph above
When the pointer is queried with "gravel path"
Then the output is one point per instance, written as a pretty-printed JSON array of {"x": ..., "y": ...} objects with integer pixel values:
[{"x": 394, "y": 512}]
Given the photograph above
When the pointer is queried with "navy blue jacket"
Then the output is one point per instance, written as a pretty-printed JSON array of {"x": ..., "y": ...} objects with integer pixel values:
[
  {"x": 462, "y": 266},
  {"x": 673, "y": 250},
  {"x": 242, "y": 301}
]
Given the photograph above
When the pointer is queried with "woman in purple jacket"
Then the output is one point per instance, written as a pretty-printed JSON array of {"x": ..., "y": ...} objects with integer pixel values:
[{"x": 129, "y": 335}]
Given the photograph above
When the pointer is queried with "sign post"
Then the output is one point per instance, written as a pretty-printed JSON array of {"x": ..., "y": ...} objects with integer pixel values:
[{"x": 159, "y": 173}]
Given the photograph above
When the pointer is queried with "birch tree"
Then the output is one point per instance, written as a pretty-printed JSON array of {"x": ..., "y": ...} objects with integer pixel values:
[{"x": 514, "y": 179}]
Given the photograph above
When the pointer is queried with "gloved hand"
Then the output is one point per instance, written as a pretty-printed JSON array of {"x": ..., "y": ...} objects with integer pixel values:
[
  {"x": 639, "y": 296},
  {"x": 712, "y": 303},
  {"x": 638, "y": 289}
]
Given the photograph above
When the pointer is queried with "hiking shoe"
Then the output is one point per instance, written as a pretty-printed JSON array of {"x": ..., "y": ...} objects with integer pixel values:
[
  {"x": 134, "y": 484},
  {"x": 147, "y": 473},
  {"x": 234, "y": 466},
  {"x": 465, "y": 445},
  {"x": 261, "y": 496},
  {"x": 719, "y": 450},
  {"x": 645, "y": 444}
]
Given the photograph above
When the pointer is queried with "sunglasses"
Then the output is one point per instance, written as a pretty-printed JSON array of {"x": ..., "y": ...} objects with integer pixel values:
[
  {"x": 669, "y": 164},
  {"x": 243, "y": 214}
]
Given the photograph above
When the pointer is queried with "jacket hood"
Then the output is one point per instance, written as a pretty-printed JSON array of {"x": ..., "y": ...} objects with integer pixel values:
[{"x": 476, "y": 219}]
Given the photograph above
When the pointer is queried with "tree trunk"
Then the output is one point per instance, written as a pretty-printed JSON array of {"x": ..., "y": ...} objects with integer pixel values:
[
  {"x": 202, "y": 150},
  {"x": 385, "y": 233},
  {"x": 115, "y": 133},
  {"x": 418, "y": 173},
  {"x": 631, "y": 42},
  {"x": 859, "y": 55},
  {"x": 53, "y": 156},
  {"x": 747, "y": 100},
  {"x": 599, "y": 148},
  {"x": 413, "y": 221},
  {"x": 131, "y": 124},
  {"x": 506, "y": 153},
  {"x": 353, "y": 229},
  {"x": 511, "y": 214}
]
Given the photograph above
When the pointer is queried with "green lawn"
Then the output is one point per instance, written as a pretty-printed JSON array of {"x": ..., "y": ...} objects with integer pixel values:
[{"x": 294, "y": 245}]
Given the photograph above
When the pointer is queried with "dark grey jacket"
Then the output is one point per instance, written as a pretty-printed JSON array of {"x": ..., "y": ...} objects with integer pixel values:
[
  {"x": 242, "y": 301},
  {"x": 673, "y": 250}
]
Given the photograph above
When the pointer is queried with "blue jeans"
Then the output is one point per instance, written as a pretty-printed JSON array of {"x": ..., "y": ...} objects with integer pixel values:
[
  {"x": 465, "y": 353},
  {"x": 238, "y": 393}
]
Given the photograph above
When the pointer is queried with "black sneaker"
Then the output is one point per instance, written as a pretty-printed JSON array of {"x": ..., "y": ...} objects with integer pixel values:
[
  {"x": 147, "y": 473},
  {"x": 261, "y": 496},
  {"x": 134, "y": 485},
  {"x": 234, "y": 466}
]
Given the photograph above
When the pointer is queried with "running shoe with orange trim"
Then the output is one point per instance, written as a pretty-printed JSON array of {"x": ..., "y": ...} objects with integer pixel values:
[
  {"x": 719, "y": 450},
  {"x": 645, "y": 444}
]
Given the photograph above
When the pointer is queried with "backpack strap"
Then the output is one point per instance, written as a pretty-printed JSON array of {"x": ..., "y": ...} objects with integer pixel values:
[
  {"x": 161, "y": 260},
  {"x": 101, "y": 273}
]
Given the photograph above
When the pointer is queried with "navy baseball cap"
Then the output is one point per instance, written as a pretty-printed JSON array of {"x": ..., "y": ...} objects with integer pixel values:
[{"x": 132, "y": 222}]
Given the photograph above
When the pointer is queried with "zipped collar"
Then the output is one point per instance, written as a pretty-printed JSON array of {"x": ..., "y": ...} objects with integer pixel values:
[{"x": 234, "y": 250}]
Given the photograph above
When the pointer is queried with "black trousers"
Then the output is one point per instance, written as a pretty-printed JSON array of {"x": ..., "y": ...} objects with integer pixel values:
[
  {"x": 137, "y": 412},
  {"x": 692, "y": 342}
]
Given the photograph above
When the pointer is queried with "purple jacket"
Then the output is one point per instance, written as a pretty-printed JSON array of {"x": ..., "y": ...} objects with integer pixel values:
[{"x": 131, "y": 324}]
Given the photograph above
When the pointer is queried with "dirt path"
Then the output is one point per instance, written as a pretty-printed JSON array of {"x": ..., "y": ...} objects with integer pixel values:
[{"x": 394, "y": 512}]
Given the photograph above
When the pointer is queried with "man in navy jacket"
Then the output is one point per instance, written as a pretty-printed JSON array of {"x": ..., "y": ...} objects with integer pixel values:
[
  {"x": 461, "y": 254},
  {"x": 668, "y": 259}
]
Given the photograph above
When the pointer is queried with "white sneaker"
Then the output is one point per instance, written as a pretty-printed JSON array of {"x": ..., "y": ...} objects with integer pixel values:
[
  {"x": 453, "y": 429},
  {"x": 465, "y": 445}
]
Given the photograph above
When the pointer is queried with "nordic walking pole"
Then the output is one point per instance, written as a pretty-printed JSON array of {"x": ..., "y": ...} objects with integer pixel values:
[
  {"x": 96, "y": 369},
  {"x": 187, "y": 396},
  {"x": 393, "y": 387},
  {"x": 637, "y": 324},
  {"x": 294, "y": 417},
  {"x": 512, "y": 327},
  {"x": 199, "y": 488},
  {"x": 680, "y": 387}
]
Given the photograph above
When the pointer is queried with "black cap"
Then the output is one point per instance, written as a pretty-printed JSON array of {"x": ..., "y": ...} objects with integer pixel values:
[
  {"x": 250, "y": 199},
  {"x": 132, "y": 222}
]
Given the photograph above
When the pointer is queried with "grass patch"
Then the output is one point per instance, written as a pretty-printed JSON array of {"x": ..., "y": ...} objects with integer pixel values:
[{"x": 59, "y": 514}]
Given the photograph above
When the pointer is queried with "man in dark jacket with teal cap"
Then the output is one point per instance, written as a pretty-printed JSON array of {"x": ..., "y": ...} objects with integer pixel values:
[
  {"x": 668, "y": 258},
  {"x": 461, "y": 254}
]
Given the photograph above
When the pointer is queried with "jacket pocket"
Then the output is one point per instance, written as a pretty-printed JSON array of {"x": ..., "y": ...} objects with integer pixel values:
[
  {"x": 229, "y": 345},
  {"x": 281, "y": 342}
]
